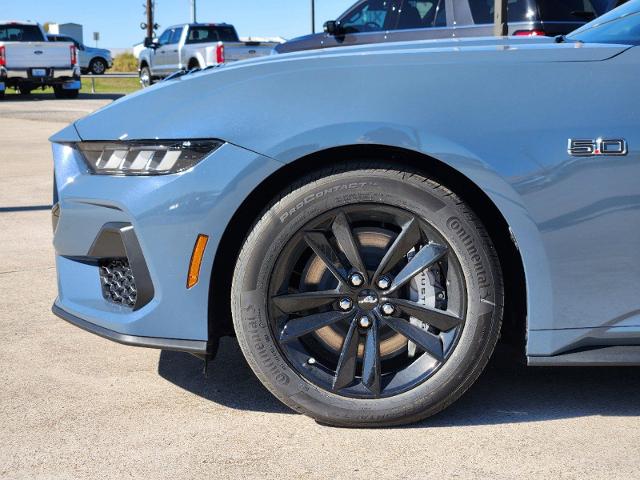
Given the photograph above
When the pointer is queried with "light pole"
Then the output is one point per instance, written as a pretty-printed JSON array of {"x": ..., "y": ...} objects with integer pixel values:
[
  {"x": 193, "y": 11},
  {"x": 501, "y": 26},
  {"x": 313, "y": 16}
]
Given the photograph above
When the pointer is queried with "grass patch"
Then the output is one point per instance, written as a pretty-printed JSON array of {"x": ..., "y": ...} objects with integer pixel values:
[{"x": 125, "y": 63}]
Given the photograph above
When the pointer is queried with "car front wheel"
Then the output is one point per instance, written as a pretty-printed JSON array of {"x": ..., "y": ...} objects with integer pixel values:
[
  {"x": 367, "y": 297},
  {"x": 146, "y": 80},
  {"x": 98, "y": 66}
]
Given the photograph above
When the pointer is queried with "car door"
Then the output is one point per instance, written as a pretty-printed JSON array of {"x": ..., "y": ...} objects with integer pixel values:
[
  {"x": 172, "y": 50},
  {"x": 160, "y": 61}
]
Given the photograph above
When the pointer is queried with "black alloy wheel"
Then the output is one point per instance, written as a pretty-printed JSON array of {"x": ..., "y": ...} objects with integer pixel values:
[
  {"x": 367, "y": 296},
  {"x": 345, "y": 303}
]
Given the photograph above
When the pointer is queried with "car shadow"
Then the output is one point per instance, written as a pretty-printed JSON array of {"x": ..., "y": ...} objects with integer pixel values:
[
  {"x": 34, "y": 97},
  {"x": 229, "y": 381},
  {"x": 507, "y": 392}
]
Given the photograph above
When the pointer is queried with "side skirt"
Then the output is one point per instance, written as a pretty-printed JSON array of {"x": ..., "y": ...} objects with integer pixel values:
[{"x": 621, "y": 356}]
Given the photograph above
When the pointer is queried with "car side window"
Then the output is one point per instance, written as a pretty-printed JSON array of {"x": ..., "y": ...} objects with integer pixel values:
[
  {"x": 175, "y": 36},
  {"x": 482, "y": 11},
  {"x": 165, "y": 37},
  {"x": 371, "y": 16},
  {"x": 421, "y": 14}
]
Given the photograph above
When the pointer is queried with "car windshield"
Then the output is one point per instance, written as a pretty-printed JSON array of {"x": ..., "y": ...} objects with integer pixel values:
[
  {"x": 20, "y": 33},
  {"x": 621, "y": 26}
]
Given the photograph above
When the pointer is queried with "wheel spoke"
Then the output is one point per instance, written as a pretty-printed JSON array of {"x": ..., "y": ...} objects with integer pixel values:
[
  {"x": 443, "y": 321},
  {"x": 408, "y": 238},
  {"x": 298, "y": 302},
  {"x": 323, "y": 249},
  {"x": 371, "y": 361},
  {"x": 347, "y": 243},
  {"x": 426, "y": 256},
  {"x": 427, "y": 341},
  {"x": 346, "y": 370},
  {"x": 299, "y": 327}
]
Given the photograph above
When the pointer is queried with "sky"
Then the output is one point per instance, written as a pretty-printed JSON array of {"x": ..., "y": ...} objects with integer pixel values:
[{"x": 118, "y": 21}]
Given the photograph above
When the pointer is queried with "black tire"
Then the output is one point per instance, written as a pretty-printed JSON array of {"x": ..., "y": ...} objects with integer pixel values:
[
  {"x": 146, "y": 79},
  {"x": 62, "y": 94},
  {"x": 1, "y": 95},
  {"x": 193, "y": 64},
  {"x": 377, "y": 188},
  {"x": 98, "y": 66},
  {"x": 25, "y": 90}
]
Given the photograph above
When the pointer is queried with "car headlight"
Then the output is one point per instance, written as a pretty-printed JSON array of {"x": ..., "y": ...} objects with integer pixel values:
[{"x": 155, "y": 157}]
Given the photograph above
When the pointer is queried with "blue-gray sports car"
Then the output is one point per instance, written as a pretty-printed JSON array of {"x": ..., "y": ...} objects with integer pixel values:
[{"x": 368, "y": 221}]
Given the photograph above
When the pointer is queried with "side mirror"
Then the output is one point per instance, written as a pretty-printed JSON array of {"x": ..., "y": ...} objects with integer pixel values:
[
  {"x": 332, "y": 27},
  {"x": 150, "y": 42}
]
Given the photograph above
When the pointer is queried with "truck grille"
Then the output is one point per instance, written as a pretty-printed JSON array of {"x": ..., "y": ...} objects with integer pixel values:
[{"x": 118, "y": 282}]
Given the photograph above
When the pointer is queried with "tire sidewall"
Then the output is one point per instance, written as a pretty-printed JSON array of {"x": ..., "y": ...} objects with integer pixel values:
[{"x": 288, "y": 216}]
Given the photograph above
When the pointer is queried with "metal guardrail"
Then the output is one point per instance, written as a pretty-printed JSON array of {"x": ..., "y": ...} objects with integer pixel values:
[{"x": 107, "y": 76}]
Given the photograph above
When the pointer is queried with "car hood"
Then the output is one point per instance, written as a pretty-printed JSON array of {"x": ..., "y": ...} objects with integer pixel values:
[
  {"x": 97, "y": 51},
  {"x": 231, "y": 101}
]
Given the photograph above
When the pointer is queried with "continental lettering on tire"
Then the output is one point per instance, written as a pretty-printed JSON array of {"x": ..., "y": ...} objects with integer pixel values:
[
  {"x": 321, "y": 194},
  {"x": 455, "y": 225}
]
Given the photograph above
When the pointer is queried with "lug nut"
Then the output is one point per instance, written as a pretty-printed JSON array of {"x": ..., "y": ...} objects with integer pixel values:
[
  {"x": 346, "y": 304},
  {"x": 365, "y": 322},
  {"x": 384, "y": 283},
  {"x": 311, "y": 361},
  {"x": 356, "y": 280},
  {"x": 388, "y": 309}
]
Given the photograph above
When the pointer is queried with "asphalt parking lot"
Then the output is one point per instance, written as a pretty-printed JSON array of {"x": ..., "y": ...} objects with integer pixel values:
[{"x": 76, "y": 406}]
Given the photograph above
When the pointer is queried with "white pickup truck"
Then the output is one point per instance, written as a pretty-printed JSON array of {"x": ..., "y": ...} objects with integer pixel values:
[
  {"x": 195, "y": 45},
  {"x": 28, "y": 61}
]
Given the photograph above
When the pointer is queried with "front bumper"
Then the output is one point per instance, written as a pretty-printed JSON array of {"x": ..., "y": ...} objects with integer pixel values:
[
  {"x": 191, "y": 346},
  {"x": 166, "y": 214}
]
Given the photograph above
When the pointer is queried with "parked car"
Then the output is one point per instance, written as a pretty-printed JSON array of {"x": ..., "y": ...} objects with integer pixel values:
[
  {"x": 196, "y": 45},
  {"x": 372, "y": 218},
  {"x": 28, "y": 61},
  {"x": 92, "y": 60},
  {"x": 374, "y": 21}
]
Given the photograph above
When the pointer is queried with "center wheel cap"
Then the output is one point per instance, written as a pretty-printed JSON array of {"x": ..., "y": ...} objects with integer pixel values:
[{"x": 368, "y": 300}]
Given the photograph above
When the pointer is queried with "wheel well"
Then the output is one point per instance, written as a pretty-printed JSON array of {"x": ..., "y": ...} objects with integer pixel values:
[
  {"x": 193, "y": 63},
  {"x": 97, "y": 58},
  {"x": 143, "y": 64},
  {"x": 514, "y": 324}
]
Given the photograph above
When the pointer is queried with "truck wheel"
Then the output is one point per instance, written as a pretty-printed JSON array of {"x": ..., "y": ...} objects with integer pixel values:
[
  {"x": 1, "y": 95},
  {"x": 61, "y": 93},
  {"x": 146, "y": 80},
  {"x": 24, "y": 90},
  {"x": 367, "y": 296},
  {"x": 98, "y": 66}
]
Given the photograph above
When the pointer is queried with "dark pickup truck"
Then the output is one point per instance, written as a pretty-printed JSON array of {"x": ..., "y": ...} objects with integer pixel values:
[{"x": 375, "y": 21}]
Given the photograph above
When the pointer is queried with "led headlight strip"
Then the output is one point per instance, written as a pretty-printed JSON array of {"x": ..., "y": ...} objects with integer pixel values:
[{"x": 155, "y": 157}]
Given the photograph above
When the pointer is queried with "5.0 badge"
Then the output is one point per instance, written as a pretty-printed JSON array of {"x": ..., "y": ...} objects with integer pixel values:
[{"x": 600, "y": 146}]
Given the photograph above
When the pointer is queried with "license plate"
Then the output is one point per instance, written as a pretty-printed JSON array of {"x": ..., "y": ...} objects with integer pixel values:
[{"x": 39, "y": 72}]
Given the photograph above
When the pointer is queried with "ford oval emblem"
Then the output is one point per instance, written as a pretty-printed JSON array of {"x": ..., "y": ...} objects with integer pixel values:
[{"x": 38, "y": 52}]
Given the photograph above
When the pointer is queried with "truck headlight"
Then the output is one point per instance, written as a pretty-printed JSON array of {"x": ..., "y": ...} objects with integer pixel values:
[{"x": 155, "y": 157}]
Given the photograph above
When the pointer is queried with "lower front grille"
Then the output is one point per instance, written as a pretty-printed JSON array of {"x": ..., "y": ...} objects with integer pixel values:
[{"x": 118, "y": 282}]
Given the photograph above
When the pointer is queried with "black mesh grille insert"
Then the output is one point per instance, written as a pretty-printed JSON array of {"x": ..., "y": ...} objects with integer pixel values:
[{"x": 118, "y": 282}]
